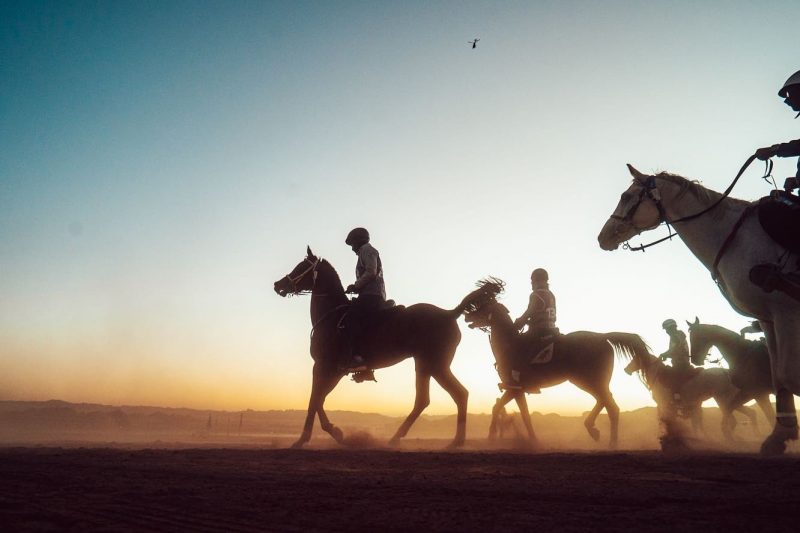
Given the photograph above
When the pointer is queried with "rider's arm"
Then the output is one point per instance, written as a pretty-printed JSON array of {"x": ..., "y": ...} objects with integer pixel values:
[
  {"x": 790, "y": 149},
  {"x": 369, "y": 257},
  {"x": 524, "y": 317}
]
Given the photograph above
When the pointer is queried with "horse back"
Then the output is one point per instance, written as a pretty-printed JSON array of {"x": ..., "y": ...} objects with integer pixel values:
[{"x": 412, "y": 330}]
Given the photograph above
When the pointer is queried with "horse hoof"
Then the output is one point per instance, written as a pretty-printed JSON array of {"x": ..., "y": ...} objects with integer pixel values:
[
  {"x": 394, "y": 442},
  {"x": 456, "y": 444},
  {"x": 772, "y": 447},
  {"x": 594, "y": 433},
  {"x": 337, "y": 435},
  {"x": 297, "y": 445}
]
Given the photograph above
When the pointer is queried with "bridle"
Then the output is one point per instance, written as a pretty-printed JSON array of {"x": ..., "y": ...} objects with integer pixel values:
[
  {"x": 650, "y": 191},
  {"x": 311, "y": 268}
]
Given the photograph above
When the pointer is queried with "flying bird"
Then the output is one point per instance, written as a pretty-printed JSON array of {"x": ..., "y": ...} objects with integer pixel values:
[{"x": 473, "y": 43}]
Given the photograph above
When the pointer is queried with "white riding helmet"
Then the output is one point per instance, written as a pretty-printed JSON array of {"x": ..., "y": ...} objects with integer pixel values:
[
  {"x": 669, "y": 323},
  {"x": 794, "y": 79}
]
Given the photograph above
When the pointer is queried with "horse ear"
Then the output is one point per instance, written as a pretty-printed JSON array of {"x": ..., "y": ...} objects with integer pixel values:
[
  {"x": 309, "y": 252},
  {"x": 635, "y": 173},
  {"x": 696, "y": 321},
  {"x": 690, "y": 324}
]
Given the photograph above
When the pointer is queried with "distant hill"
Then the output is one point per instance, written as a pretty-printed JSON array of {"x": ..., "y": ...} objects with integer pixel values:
[{"x": 56, "y": 421}]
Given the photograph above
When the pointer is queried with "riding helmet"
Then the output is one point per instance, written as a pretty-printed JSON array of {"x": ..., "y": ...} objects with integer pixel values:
[
  {"x": 794, "y": 79},
  {"x": 669, "y": 323},
  {"x": 357, "y": 236},
  {"x": 539, "y": 274}
]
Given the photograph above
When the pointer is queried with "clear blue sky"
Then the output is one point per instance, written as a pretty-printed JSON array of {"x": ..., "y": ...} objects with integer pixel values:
[{"x": 163, "y": 163}]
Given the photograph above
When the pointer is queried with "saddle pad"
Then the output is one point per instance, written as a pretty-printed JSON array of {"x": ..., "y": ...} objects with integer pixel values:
[
  {"x": 545, "y": 355},
  {"x": 779, "y": 215}
]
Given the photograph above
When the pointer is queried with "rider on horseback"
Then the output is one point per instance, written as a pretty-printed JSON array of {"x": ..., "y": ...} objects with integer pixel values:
[
  {"x": 780, "y": 214},
  {"x": 540, "y": 316},
  {"x": 678, "y": 353},
  {"x": 370, "y": 290},
  {"x": 790, "y": 92}
]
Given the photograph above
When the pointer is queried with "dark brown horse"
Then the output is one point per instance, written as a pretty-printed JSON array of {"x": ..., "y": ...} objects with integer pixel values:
[
  {"x": 425, "y": 332},
  {"x": 748, "y": 362},
  {"x": 583, "y": 358}
]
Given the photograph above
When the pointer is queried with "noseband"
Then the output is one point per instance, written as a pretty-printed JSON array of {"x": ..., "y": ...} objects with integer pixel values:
[{"x": 312, "y": 268}]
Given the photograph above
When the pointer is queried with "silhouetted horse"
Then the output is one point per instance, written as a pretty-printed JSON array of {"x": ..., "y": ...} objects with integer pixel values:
[
  {"x": 663, "y": 382},
  {"x": 748, "y": 362},
  {"x": 425, "y": 332},
  {"x": 584, "y": 358},
  {"x": 730, "y": 242}
]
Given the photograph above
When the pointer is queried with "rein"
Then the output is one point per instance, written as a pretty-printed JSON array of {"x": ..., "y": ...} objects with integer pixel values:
[
  {"x": 311, "y": 268},
  {"x": 650, "y": 190}
]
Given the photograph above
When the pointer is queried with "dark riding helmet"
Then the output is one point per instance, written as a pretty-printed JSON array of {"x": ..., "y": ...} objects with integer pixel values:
[
  {"x": 793, "y": 81},
  {"x": 357, "y": 237},
  {"x": 669, "y": 323},
  {"x": 539, "y": 274}
]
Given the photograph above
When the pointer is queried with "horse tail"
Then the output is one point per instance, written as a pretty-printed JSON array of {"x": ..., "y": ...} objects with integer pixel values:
[
  {"x": 627, "y": 345},
  {"x": 487, "y": 289}
]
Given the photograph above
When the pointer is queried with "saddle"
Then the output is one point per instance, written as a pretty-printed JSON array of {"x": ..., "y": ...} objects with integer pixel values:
[
  {"x": 539, "y": 350},
  {"x": 779, "y": 215},
  {"x": 359, "y": 326}
]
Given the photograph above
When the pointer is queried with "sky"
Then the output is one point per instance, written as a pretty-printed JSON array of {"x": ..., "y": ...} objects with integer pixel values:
[{"x": 163, "y": 163}]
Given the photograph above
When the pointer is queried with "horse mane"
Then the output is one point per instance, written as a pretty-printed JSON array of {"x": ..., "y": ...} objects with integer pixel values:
[
  {"x": 700, "y": 192},
  {"x": 333, "y": 273}
]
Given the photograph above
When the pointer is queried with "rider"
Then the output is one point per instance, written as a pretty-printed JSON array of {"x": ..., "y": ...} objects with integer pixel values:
[
  {"x": 678, "y": 347},
  {"x": 771, "y": 276},
  {"x": 370, "y": 290},
  {"x": 678, "y": 353},
  {"x": 540, "y": 317},
  {"x": 541, "y": 313},
  {"x": 790, "y": 92}
]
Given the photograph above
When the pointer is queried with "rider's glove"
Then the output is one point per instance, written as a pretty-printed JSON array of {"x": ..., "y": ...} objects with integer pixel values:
[
  {"x": 351, "y": 289},
  {"x": 767, "y": 152}
]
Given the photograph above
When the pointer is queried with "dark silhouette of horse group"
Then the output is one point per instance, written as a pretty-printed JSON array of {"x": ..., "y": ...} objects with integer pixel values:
[{"x": 430, "y": 335}]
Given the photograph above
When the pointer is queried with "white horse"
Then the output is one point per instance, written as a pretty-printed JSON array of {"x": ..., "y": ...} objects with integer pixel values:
[{"x": 729, "y": 241}]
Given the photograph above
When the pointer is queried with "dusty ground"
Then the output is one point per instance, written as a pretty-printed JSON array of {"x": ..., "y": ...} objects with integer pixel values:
[{"x": 334, "y": 489}]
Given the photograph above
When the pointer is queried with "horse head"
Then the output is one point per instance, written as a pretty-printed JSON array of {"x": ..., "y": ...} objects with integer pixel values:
[
  {"x": 484, "y": 308},
  {"x": 301, "y": 279},
  {"x": 647, "y": 365},
  {"x": 699, "y": 342},
  {"x": 636, "y": 212}
]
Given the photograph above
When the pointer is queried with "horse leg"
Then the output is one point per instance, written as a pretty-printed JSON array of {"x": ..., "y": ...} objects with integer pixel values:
[
  {"x": 321, "y": 385},
  {"x": 456, "y": 390},
  {"x": 782, "y": 374},
  {"x": 751, "y": 416},
  {"x": 613, "y": 418},
  {"x": 522, "y": 403},
  {"x": 326, "y": 425},
  {"x": 421, "y": 401},
  {"x": 736, "y": 403},
  {"x": 590, "y": 419},
  {"x": 762, "y": 400},
  {"x": 498, "y": 406}
]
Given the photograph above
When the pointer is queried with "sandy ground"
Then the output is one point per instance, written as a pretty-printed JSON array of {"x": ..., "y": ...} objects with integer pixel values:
[{"x": 117, "y": 489}]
